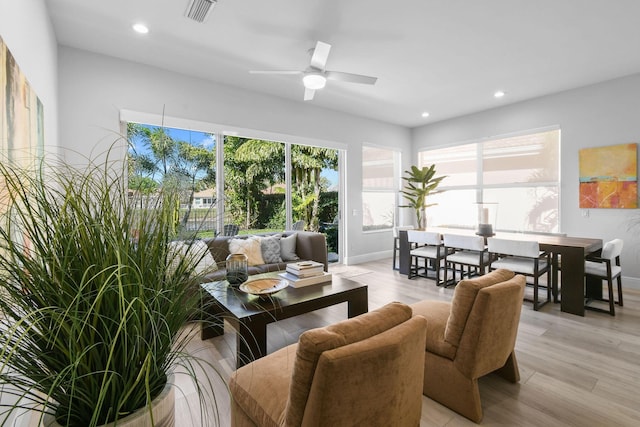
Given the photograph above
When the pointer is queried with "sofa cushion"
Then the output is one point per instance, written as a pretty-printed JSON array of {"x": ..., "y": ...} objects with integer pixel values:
[
  {"x": 314, "y": 342},
  {"x": 288, "y": 248},
  {"x": 219, "y": 248},
  {"x": 270, "y": 248},
  {"x": 250, "y": 247},
  {"x": 464, "y": 296}
]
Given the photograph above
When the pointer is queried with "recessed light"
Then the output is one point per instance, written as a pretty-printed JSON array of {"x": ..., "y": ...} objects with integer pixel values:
[
  {"x": 425, "y": 114},
  {"x": 140, "y": 28},
  {"x": 499, "y": 94}
]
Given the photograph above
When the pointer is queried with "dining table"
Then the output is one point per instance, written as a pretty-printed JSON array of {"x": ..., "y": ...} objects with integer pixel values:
[{"x": 572, "y": 252}]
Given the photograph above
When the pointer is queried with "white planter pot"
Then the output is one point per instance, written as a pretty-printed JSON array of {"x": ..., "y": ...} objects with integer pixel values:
[{"x": 163, "y": 412}]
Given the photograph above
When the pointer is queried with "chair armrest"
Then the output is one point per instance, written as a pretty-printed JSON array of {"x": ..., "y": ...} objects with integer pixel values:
[{"x": 595, "y": 258}]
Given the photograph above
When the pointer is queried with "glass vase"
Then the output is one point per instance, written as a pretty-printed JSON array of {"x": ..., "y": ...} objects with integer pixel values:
[{"x": 237, "y": 269}]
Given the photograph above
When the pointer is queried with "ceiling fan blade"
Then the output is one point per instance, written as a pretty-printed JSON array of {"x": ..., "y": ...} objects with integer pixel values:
[
  {"x": 308, "y": 94},
  {"x": 320, "y": 55},
  {"x": 351, "y": 78},
  {"x": 275, "y": 72}
]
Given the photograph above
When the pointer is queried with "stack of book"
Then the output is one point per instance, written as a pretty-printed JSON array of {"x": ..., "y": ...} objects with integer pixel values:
[{"x": 305, "y": 273}]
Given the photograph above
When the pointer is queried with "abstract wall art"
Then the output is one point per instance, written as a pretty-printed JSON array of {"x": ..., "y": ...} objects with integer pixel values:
[
  {"x": 21, "y": 120},
  {"x": 609, "y": 177},
  {"x": 21, "y": 114}
]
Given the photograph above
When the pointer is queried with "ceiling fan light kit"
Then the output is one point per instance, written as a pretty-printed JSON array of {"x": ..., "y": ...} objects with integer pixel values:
[
  {"x": 316, "y": 75},
  {"x": 314, "y": 81}
]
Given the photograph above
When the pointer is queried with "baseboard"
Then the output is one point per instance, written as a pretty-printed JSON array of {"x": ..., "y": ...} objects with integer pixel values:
[
  {"x": 375, "y": 256},
  {"x": 631, "y": 282}
]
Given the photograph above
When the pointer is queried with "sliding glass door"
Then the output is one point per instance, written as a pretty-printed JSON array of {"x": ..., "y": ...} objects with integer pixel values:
[{"x": 262, "y": 186}]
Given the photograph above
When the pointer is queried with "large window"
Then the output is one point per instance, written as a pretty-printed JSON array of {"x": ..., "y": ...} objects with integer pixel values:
[
  {"x": 252, "y": 189},
  {"x": 520, "y": 173},
  {"x": 380, "y": 184}
]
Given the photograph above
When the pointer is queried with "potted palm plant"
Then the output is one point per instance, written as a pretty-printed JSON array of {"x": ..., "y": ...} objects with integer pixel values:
[
  {"x": 94, "y": 302},
  {"x": 420, "y": 182}
]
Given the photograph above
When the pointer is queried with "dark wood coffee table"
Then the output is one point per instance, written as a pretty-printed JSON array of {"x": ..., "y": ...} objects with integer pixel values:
[{"x": 249, "y": 314}]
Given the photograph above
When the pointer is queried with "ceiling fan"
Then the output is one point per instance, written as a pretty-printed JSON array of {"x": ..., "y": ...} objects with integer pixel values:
[{"x": 315, "y": 76}]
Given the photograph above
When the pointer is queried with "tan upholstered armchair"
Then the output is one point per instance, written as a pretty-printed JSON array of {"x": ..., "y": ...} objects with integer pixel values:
[
  {"x": 364, "y": 371},
  {"x": 470, "y": 337}
]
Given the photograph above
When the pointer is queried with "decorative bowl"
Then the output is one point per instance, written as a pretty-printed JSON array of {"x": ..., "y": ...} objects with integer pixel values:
[{"x": 263, "y": 287}]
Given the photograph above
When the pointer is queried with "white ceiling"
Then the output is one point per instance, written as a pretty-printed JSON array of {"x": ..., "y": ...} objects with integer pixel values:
[{"x": 446, "y": 57}]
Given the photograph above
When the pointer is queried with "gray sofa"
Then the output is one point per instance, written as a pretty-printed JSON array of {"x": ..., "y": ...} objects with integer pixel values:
[{"x": 310, "y": 246}]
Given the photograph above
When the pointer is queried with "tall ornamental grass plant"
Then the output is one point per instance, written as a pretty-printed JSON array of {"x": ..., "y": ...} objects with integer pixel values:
[{"x": 92, "y": 301}]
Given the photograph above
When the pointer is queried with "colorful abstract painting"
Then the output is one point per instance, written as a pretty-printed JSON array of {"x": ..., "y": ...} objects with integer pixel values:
[
  {"x": 609, "y": 177},
  {"x": 21, "y": 118},
  {"x": 21, "y": 114}
]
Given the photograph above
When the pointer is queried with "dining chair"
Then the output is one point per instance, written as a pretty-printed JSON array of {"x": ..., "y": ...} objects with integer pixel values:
[
  {"x": 429, "y": 248},
  {"x": 606, "y": 267},
  {"x": 396, "y": 242},
  {"x": 523, "y": 257},
  {"x": 464, "y": 251}
]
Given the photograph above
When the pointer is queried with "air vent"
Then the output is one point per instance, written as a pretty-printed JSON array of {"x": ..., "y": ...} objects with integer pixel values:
[{"x": 199, "y": 10}]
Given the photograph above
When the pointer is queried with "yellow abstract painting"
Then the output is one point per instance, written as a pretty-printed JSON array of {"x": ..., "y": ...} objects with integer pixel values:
[{"x": 609, "y": 177}]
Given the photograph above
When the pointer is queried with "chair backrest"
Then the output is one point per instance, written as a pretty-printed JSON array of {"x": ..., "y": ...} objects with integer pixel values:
[
  {"x": 522, "y": 248},
  {"x": 489, "y": 334},
  {"x": 230, "y": 229},
  {"x": 367, "y": 370},
  {"x": 461, "y": 241},
  {"x": 464, "y": 296},
  {"x": 612, "y": 249},
  {"x": 424, "y": 237},
  {"x": 397, "y": 228}
]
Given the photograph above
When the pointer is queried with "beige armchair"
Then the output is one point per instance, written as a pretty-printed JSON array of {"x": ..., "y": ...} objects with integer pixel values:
[
  {"x": 470, "y": 337},
  {"x": 364, "y": 371}
]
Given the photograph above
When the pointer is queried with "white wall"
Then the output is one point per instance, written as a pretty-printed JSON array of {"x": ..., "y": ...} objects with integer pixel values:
[
  {"x": 94, "y": 89},
  {"x": 597, "y": 115},
  {"x": 28, "y": 33}
]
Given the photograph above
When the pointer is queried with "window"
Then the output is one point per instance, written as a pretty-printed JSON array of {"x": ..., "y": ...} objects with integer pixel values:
[
  {"x": 520, "y": 173},
  {"x": 380, "y": 184},
  {"x": 181, "y": 158}
]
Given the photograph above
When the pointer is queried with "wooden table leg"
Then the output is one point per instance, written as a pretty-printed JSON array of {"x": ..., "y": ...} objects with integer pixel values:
[
  {"x": 213, "y": 322},
  {"x": 572, "y": 276},
  {"x": 404, "y": 252},
  {"x": 359, "y": 303},
  {"x": 251, "y": 341},
  {"x": 554, "y": 277}
]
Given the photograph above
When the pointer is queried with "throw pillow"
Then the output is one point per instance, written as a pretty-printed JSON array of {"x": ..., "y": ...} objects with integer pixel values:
[
  {"x": 206, "y": 262},
  {"x": 250, "y": 247},
  {"x": 270, "y": 247},
  {"x": 196, "y": 253},
  {"x": 288, "y": 248}
]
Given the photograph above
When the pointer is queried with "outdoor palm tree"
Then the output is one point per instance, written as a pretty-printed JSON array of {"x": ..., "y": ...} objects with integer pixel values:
[{"x": 186, "y": 167}]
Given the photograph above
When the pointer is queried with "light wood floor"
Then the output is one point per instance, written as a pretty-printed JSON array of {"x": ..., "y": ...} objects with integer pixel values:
[{"x": 575, "y": 371}]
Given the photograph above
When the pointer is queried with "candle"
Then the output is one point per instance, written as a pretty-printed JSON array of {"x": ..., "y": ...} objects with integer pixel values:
[{"x": 485, "y": 216}]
